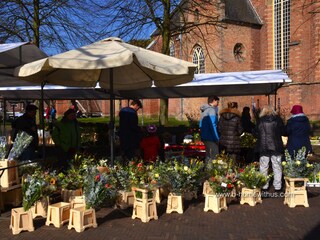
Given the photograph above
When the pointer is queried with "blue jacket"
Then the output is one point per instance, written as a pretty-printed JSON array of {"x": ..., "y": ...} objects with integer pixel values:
[
  {"x": 208, "y": 123},
  {"x": 298, "y": 130}
]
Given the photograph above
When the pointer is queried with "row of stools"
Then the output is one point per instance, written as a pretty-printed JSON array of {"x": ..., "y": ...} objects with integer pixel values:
[{"x": 74, "y": 213}]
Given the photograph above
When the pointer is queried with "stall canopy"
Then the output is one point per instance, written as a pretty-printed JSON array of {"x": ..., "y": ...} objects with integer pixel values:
[
  {"x": 13, "y": 55},
  {"x": 246, "y": 83}
]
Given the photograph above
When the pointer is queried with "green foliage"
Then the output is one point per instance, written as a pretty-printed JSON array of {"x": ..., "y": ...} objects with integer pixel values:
[
  {"x": 251, "y": 178},
  {"x": 98, "y": 187},
  {"x": 247, "y": 140},
  {"x": 37, "y": 185},
  {"x": 298, "y": 166}
]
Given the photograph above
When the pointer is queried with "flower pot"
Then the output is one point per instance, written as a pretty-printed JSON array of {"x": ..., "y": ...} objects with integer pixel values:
[
  {"x": 103, "y": 169},
  {"x": 174, "y": 203},
  {"x": 21, "y": 221},
  {"x": 250, "y": 196},
  {"x": 295, "y": 194},
  {"x": 144, "y": 207},
  {"x": 67, "y": 195},
  {"x": 40, "y": 208},
  {"x": 82, "y": 218},
  {"x": 215, "y": 203}
]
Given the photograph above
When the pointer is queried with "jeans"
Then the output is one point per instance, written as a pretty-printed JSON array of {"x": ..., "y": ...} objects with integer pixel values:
[
  {"x": 276, "y": 167},
  {"x": 212, "y": 149}
]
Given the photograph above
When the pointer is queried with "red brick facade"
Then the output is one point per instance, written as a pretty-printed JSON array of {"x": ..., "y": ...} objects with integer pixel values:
[{"x": 218, "y": 43}]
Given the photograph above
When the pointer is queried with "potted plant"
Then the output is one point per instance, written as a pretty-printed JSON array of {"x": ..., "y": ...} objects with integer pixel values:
[
  {"x": 297, "y": 171},
  {"x": 38, "y": 186},
  {"x": 71, "y": 183},
  {"x": 252, "y": 181}
]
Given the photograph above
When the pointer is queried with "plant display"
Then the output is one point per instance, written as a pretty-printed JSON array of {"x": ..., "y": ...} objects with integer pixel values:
[
  {"x": 98, "y": 187},
  {"x": 3, "y": 149},
  {"x": 298, "y": 166},
  {"x": 180, "y": 177},
  {"x": 37, "y": 185},
  {"x": 72, "y": 179},
  {"x": 221, "y": 174},
  {"x": 251, "y": 178},
  {"x": 141, "y": 175},
  {"x": 122, "y": 176},
  {"x": 315, "y": 175}
]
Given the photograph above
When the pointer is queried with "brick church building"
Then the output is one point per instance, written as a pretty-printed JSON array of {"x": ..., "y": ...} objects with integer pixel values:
[
  {"x": 246, "y": 35},
  {"x": 250, "y": 35}
]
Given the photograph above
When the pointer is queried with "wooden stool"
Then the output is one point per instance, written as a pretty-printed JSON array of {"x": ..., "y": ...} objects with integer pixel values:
[
  {"x": 296, "y": 195},
  {"x": 21, "y": 221},
  {"x": 144, "y": 208},
  {"x": 174, "y": 204},
  {"x": 82, "y": 218},
  {"x": 215, "y": 203},
  {"x": 58, "y": 214},
  {"x": 9, "y": 176},
  {"x": 250, "y": 196},
  {"x": 78, "y": 201},
  {"x": 40, "y": 208}
]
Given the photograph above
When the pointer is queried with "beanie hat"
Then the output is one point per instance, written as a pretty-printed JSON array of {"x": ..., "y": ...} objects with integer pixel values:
[
  {"x": 296, "y": 109},
  {"x": 151, "y": 128}
]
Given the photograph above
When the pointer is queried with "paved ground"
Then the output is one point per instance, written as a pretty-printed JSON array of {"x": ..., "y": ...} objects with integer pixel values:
[{"x": 269, "y": 220}]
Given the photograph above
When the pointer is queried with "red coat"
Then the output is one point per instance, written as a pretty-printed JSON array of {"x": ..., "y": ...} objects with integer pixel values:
[{"x": 150, "y": 146}]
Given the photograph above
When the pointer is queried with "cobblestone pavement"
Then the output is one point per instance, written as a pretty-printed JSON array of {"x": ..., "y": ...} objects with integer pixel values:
[{"x": 269, "y": 220}]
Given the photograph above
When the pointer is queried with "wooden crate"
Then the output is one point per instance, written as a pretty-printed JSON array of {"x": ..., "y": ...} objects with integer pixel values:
[
  {"x": 250, "y": 196},
  {"x": 12, "y": 196},
  {"x": 82, "y": 218},
  {"x": 295, "y": 194},
  {"x": 144, "y": 208},
  {"x": 215, "y": 203},
  {"x": 67, "y": 195},
  {"x": 21, "y": 221},
  {"x": 58, "y": 214},
  {"x": 126, "y": 199},
  {"x": 40, "y": 208},
  {"x": 9, "y": 176},
  {"x": 174, "y": 203}
]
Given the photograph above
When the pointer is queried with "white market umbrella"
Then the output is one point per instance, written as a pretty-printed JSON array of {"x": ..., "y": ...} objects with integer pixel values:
[{"x": 113, "y": 64}]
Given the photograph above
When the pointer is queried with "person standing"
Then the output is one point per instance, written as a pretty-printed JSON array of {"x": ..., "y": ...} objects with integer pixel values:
[
  {"x": 230, "y": 129},
  {"x": 66, "y": 136},
  {"x": 129, "y": 131},
  {"x": 269, "y": 132},
  {"x": 246, "y": 122},
  {"x": 48, "y": 111},
  {"x": 150, "y": 144},
  {"x": 27, "y": 123},
  {"x": 298, "y": 131},
  {"x": 208, "y": 127}
]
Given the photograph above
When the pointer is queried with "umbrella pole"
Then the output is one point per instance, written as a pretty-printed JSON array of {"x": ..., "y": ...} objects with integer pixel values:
[
  {"x": 42, "y": 123},
  {"x": 111, "y": 124}
]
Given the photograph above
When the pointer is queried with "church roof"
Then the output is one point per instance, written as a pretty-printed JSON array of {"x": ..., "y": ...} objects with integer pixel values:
[{"x": 241, "y": 11}]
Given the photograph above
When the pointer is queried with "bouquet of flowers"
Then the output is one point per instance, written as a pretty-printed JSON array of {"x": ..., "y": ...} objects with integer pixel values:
[
  {"x": 141, "y": 175},
  {"x": 72, "y": 179},
  {"x": 251, "y": 178},
  {"x": 315, "y": 175},
  {"x": 181, "y": 178},
  {"x": 98, "y": 187},
  {"x": 21, "y": 142},
  {"x": 37, "y": 185},
  {"x": 221, "y": 174},
  {"x": 122, "y": 176},
  {"x": 297, "y": 167}
]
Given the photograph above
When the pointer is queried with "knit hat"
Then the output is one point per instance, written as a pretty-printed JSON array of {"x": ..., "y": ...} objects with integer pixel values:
[
  {"x": 151, "y": 128},
  {"x": 296, "y": 109}
]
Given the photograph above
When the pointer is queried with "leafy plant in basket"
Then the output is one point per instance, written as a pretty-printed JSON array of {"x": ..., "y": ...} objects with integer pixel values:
[
  {"x": 36, "y": 186},
  {"x": 182, "y": 178},
  {"x": 251, "y": 177},
  {"x": 298, "y": 166},
  {"x": 98, "y": 187},
  {"x": 141, "y": 175}
]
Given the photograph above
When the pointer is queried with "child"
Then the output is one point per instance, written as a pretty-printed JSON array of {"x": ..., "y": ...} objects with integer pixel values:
[{"x": 150, "y": 144}]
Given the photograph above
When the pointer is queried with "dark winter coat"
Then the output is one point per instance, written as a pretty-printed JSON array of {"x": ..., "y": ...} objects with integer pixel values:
[
  {"x": 269, "y": 132},
  {"x": 230, "y": 129},
  {"x": 129, "y": 131},
  {"x": 298, "y": 131},
  {"x": 208, "y": 123}
]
